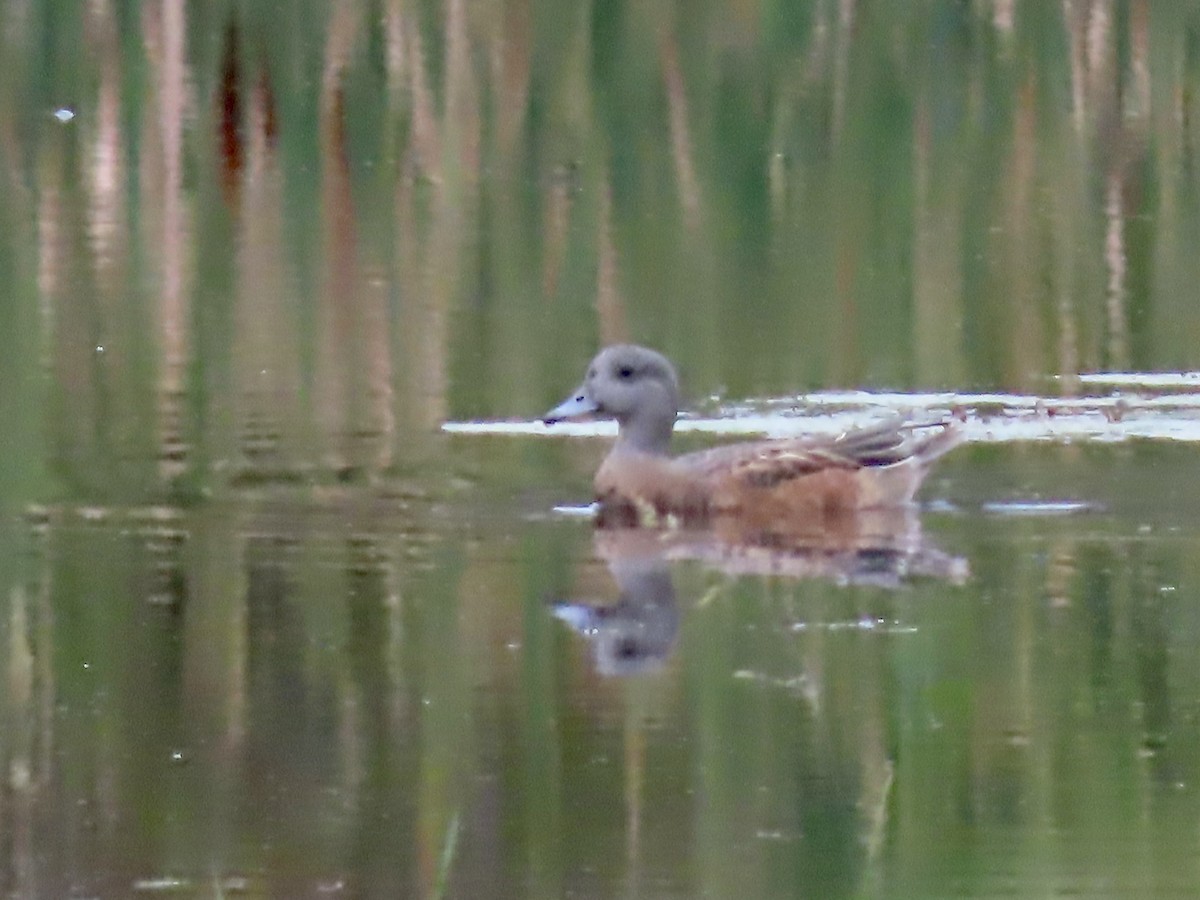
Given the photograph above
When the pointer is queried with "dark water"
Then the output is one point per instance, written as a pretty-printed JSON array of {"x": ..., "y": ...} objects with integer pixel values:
[{"x": 296, "y": 600}]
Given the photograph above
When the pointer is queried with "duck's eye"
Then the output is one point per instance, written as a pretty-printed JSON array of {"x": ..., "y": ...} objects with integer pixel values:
[{"x": 625, "y": 371}]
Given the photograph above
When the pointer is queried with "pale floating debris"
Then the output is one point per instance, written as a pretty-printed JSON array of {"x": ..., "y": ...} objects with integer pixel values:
[
  {"x": 169, "y": 884},
  {"x": 157, "y": 513},
  {"x": 161, "y": 883},
  {"x": 1038, "y": 507},
  {"x": 866, "y": 623},
  {"x": 1141, "y": 379},
  {"x": 775, "y": 835},
  {"x": 577, "y": 512},
  {"x": 772, "y": 425},
  {"x": 796, "y": 684},
  {"x": 581, "y": 429},
  {"x": 64, "y": 114},
  {"x": 37, "y": 511},
  {"x": 983, "y": 417}
]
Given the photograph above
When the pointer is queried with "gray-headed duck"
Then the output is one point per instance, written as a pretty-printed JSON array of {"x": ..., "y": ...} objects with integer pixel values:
[{"x": 820, "y": 481}]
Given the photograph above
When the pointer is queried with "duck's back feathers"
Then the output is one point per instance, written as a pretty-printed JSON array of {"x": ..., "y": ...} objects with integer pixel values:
[
  {"x": 768, "y": 462},
  {"x": 817, "y": 480},
  {"x": 878, "y": 466}
]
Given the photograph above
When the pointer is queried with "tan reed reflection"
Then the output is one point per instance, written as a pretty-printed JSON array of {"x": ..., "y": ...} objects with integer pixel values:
[
  {"x": 1140, "y": 95},
  {"x": 53, "y": 254},
  {"x": 842, "y": 43},
  {"x": 68, "y": 328},
  {"x": 1074, "y": 20},
  {"x": 511, "y": 69},
  {"x": 1023, "y": 322},
  {"x": 113, "y": 338},
  {"x": 556, "y": 217},
  {"x": 610, "y": 305},
  {"x": 336, "y": 400},
  {"x": 1100, "y": 55},
  {"x": 406, "y": 48},
  {"x": 267, "y": 340},
  {"x": 686, "y": 180},
  {"x": 24, "y": 779},
  {"x": 1116, "y": 296},
  {"x": 1004, "y": 13},
  {"x": 167, "y": 221},
  {"x": 938, "y": 283},
  {"x": 209, "y": 582},
  {"x": 105, "y": 172},
  {"x": 433, "y": 234}
]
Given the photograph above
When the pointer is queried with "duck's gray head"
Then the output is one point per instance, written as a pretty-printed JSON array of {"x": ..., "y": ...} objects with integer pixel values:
[{"x": 634, "y": 385}]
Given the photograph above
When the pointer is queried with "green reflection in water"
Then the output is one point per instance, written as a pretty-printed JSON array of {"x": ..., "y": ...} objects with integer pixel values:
[
  {"x": 266, "y": 631},
  {"x": 306, "y": 688}
]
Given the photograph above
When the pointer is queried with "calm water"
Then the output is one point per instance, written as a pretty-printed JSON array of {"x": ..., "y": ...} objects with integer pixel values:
[{"x": 297, "y": 601}]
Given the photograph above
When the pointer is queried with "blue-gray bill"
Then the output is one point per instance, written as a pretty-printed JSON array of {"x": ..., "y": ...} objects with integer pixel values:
[{"x": 577, "y": 405}]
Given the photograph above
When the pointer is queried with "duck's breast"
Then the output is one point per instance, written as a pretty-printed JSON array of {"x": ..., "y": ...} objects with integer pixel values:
[{"x": 653, "y": 490}]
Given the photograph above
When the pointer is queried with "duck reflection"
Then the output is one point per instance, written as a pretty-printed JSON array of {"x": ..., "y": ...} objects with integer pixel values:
[{"x": 636, "y": 634}]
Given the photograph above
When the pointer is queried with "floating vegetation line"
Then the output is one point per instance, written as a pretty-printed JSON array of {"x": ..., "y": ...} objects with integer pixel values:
[{"x": 985, "y": 417}]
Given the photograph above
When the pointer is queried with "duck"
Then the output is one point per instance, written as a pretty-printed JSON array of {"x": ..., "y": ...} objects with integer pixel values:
[{"x": 816, "y": 483}]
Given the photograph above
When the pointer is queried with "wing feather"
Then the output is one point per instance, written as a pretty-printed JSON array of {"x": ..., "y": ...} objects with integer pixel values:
[{"x": 767, "y": 463}]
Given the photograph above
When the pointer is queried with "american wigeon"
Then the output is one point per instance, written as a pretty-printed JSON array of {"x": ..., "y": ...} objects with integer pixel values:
[{"x": 822, "y": 481}]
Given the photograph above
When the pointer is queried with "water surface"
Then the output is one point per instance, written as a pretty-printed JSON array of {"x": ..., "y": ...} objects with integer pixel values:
[{"x": 296, "y": 599}]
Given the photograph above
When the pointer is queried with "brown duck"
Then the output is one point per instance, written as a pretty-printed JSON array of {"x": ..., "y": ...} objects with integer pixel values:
[{"x": 818, "y": 482}]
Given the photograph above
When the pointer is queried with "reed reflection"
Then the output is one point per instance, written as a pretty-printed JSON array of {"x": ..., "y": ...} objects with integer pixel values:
[
  {"x": 300, "y": 688},
  {"x": 257, "y": 256},
  {"x": 329, "y": 245}
]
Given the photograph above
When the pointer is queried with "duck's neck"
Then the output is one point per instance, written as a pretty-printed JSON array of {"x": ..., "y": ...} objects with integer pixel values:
[{"x": 645, "y": 436}]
